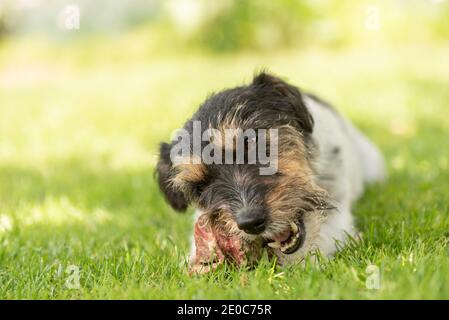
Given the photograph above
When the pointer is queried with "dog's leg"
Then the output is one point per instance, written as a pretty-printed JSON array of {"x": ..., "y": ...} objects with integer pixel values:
[{"x": 334, "y": 232}]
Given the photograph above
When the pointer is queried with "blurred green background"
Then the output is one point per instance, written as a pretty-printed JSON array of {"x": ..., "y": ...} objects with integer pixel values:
[{"x": 85, "y": 102}]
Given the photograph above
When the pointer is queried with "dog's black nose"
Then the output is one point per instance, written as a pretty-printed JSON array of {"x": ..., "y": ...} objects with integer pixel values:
[{"x": 251, "y": 220}]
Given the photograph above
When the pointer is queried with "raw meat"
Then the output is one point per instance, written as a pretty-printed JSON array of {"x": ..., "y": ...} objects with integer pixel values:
[{"x": 214, "y": 246}]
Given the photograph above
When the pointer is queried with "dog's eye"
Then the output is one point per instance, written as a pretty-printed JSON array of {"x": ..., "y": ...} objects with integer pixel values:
[
  {"x": 198, "y": 188},
  {"x": 272, "y": 178},
  {"x": 250, "y": 142}
]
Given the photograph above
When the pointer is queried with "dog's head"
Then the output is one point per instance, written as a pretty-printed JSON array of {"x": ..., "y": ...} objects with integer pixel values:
[{"x": 282, "y": 209}]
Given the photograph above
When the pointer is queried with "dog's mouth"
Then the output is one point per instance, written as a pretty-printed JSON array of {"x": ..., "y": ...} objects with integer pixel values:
[{"x": 290, "y": 240}]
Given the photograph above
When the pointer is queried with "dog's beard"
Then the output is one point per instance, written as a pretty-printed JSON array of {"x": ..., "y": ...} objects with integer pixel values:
[
  {"x": 293, "y": 225},
  {"x": 297, "y": 212}
]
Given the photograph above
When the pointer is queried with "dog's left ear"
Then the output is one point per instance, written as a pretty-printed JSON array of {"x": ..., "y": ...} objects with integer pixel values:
[
  {"x": 294, "y": 96},
  {"x": 164, "y": 171}
]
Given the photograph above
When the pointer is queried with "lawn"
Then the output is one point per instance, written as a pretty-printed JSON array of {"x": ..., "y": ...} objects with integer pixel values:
[{"x": 80, "y": 212}]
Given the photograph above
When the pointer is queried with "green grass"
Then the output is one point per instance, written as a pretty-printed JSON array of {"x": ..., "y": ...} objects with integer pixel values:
[{"x": 79, "y": 126}]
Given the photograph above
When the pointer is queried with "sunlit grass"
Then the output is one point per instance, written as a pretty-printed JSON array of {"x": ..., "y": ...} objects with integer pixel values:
[{"x": 78, "y": 141}]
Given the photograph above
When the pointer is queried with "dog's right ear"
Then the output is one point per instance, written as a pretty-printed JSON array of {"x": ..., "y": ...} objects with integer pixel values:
[{"x": 164, "y": 171}]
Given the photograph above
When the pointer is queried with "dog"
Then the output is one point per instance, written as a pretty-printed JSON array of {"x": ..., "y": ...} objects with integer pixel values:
[{"x": 323, "y": 164}]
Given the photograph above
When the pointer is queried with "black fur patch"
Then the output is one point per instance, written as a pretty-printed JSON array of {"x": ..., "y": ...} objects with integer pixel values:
[
  {"x": 164, "y": 171},
  {"x": 268, "y": 102}
]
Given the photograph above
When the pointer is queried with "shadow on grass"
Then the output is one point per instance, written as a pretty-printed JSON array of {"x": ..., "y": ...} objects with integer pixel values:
[{"x": 74, "y": 203}]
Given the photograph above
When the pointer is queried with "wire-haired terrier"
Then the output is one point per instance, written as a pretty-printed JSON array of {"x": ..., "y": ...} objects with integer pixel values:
[{"x": 267, "y": 166}]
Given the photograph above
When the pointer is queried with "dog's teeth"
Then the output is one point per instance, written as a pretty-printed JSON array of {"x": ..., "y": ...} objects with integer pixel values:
[
  {"x": 294, "y": 227},
  {"x": 274, "y": 245},
  {"x": 287, "y": 246}
]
